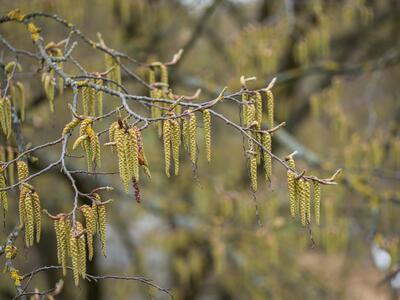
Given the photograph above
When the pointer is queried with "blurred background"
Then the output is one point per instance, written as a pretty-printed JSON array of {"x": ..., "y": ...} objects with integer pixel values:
[{"x": 337, "y": 69}]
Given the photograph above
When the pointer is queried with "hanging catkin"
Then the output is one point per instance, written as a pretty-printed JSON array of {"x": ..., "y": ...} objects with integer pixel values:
[
  {"x": 22, "y": 170},
  {"x": 300, "y": 186},
  {"x": 133, "y": 153},
  {"x": 193, "y": 138},
  {"x": 258, "y": 101},
  {"x": 245, "y": 100},
  {"x": 167, "y": 145},
  {"x": 122, "y": 151},
  {"x": 292, "y": 192},
  {"x": 5, "y": 116},
  {"x": 37, "y": 212},
  {"x": 253, "y": 170},
  {"x": 3, "y": 194},
  {"x": 207, "y": 133},
  {"x": 49, "y": 88},
  {"x": 267, "y": 144},
  {"x": 102, "y": 218},
  {"x": 270, "y": 109},
  {"x": 99, "y": 97},
  {"x": 175, "y": 143},
  {"x": 307, "y": 189},
  {"x": 90, "y": 221},
  {"x": 317, "y": 201}
]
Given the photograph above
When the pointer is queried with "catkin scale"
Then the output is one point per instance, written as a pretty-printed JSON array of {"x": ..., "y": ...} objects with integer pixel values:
[
  {"x": 167, "y": 145},
  {"x": 207, "y": 133}
]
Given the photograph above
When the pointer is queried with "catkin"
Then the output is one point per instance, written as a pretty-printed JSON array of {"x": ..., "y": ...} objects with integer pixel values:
[
  {"x": 133, "y": 153},
  {"x": 99, "y": 97},
  {"x": 5, "y": 116},
  {"x": 300, "y": 186},
  {"x": 90, "y": 221},
  {"x": 185, "y": 134},
  {"x": 24, "y": 190},
  {"x": 81, "y": 240},
  {"x": 207, "y": 133},
  {"x": 253, "y": 171},
  {"x": 3, "y": 194},
  {"x": 251, "y": 114},
  {"x": 307, "y": 191},
  {"x": 267, "y": 144},
  {"x": 70, "y": 126},
  {"x": 11, "y": 168},
  {"x": 48, "y": 84},
  {"x": 74, "y": 251},
  {"x": 102, "y": 217},
  {"x": 22, "y": 170},
  {"x": 167, "y": 145},
  {"x": 37, "y": 212},
  {"x": 245, "y": 99},
  {"x": 122, "y": 152},
  {"x": 61, "y": 226},
  {"x": 18, "y": 97},
  {"x": 291, "y": 180},
  {"x": 258, "y": 100},
  {"x": 164, "y": 74},
  {"x": 270, "y": 109},
  {"x": 175, "y": 143},
  {"x": 142, "y": 156},
  {"x": 193, "y": 138},
  {"x": 317, "y": 201},
  {"x": 29, "y": 219}
]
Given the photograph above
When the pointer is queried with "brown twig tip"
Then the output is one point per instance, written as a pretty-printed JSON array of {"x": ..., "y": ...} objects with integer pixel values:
[
  {"x": 333, "y": 177},
  {"x": 272, "y": 130},
  {"x": 301, "y": 174},
  {"x": 244, "y": 80},
  {"x": 290, "y": 156},
  {"x": 177, "y": 56},
  {"x": 271, "y": 84}
]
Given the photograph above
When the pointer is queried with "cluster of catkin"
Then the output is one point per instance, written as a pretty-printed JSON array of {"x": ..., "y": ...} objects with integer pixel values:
[
  {"x": 88, "y": 139},
  {"x": 92, "y": 99},
  {"x": 128, "y": 143},
  {"x": 76, "y": 241},
  {"x": 299, "y": 190},
  {"x": 252, "y": 118},
  {"x": 30, "y": 214}
]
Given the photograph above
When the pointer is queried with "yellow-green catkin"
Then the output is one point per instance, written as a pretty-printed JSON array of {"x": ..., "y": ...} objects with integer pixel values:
[
  {"x": 317, "y": 201},
  {"x": 28, "y": 219},
  {"x": 81, "y": 250},
  {"x": 193, "y": 138},
  {"x": 70, "y": 126},
  {"x": 49, "y": 88},
  {"x": 11, "y": 168},
  {"x": 90, "y": 221},
  {"x": 266, "y": 141},
  {"x": 99, "y": 98},
  {"x": 300, "y": 186},
  {"x": 270, "y": 109},
  {"x": 185, "y": 134},
  {"x": 22, "y": 170},
  {"x": 245, "y": 100},
  {"x": 37, "y": 213},
  {"x": 259, "y": 108},
  {"x": 207, "y": 133},
  {"x": 122, "y": 151},
  {"x": 18, "y": 98},
  {"x": 307, "y": 190},
  {"x": 291, "y": 181},
  {"x": 3, "y": 194},
  {"x": 74, "y": 253},
  {"x": 6, "y": 116},
  {"x": 167, "y": 145},
  {"x": 133, "y": 153},
  {"x": 102, "y": 218},
  {"x": 61, "y": 226},
  {"x": 88, "y": 100},
  {"x": 253, "y": 170},
  {"x": 175, "y": 143},
  {"x": 164, "y": 74},
  {"x": 251, "y": 114}
]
